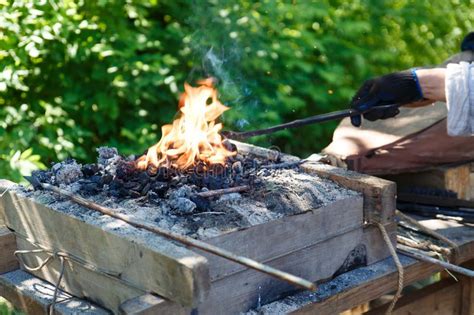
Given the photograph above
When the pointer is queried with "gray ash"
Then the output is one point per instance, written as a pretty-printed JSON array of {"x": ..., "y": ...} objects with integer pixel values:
[
  {"x": 117, "y": 176},
  {"x": 170, "y": 199}
]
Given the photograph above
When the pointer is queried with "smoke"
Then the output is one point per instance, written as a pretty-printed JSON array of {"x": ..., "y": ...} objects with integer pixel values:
[{"x": 217, "y": 53}]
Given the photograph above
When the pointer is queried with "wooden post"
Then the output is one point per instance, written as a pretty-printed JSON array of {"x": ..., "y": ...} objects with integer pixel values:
[
  {"x": 467, "y": 292},
  {"x": 8, "y": 261}
]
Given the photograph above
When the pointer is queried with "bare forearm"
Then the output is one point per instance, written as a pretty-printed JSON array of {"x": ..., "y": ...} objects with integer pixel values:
[{"x": 432, "y": 83}]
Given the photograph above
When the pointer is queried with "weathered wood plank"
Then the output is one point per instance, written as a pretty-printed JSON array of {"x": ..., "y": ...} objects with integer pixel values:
[
  {"x": 249, "y": 289},
  {"x": 5, "y": 186},
  {"x": 455, "y": 178},
  {"x": 383, "y": 276},
  {"x": 286, "y": 235},
  {"x": 369, "y": 290},
  {"x": 244, "y": 289},
  {"x": 8, "y": 261},
  {"x": 80, "y": 281},
  {"x": 437, "y": 299},
  {"x": 178, "y": 273},
  {"x": 467, "y": 291},
  {"x": 379, "y": 194},
  {"x": 149, "y": 304},
  {"x": 33, "y": 296}
]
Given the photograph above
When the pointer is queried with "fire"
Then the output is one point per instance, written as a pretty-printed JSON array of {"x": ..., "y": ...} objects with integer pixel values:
[{"x": 194, "y": 135}]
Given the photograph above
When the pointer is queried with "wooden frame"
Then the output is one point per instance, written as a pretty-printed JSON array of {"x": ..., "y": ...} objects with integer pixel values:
[
  {"x": 379, "y": 194},
  {"x": 183, "y": 275},
  {"x": 192, "y": 278},
  {"x": 379, "y": 279}
]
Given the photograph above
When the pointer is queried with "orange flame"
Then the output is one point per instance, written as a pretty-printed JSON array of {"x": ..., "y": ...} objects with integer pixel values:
[{"x": 194, "y": 135}]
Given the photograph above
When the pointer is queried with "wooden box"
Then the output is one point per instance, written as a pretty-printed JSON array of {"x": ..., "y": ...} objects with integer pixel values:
[{"x": 111, "y": 268}]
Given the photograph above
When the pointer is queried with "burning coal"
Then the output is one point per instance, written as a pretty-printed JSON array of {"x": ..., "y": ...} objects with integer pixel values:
[{"x": 192, "y": 137}]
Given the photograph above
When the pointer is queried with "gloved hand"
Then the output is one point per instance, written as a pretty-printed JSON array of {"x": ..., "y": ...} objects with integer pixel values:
[
  {"x": 394, "y": 88},
  {"x": 399, "y": 88}
]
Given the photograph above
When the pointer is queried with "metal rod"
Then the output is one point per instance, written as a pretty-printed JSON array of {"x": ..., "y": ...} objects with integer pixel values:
[
  {"x": 301, "y": 122},
  {"x": 418, "y": 256},
  {"x": 250, "y": 263},
  {"x": 218, "y": 192},
  {"x": 293, "y": 124}
]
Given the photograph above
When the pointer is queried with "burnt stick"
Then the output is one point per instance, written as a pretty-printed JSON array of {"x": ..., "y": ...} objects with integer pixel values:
[
  {"x": 188, "y": 241},
  {"x": 223, "y": 191}
]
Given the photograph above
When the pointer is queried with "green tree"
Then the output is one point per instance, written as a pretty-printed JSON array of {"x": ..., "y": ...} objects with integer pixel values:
[{"x": 75, "y": 75}]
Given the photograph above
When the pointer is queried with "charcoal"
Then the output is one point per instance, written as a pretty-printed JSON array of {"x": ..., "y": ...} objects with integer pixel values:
[
  {"x": 34, "y": 182},
  {"x": 154, "y": 197},
  {"x": 145, "y": 189},
  {"x": 123, "y": 180},
  {"x": 134, "y": 194},
  {"x": 97, "y": 179},
  {"x": 175, "y": 181},
  {"x": 217, "y": 169},
  {"x": 151, "y": 171},
  {"x": 237, "y": 167},
  {"x": 199, "y": 169},
  {"x": 115, "y": 185},
  {"x": 143, "y": 177},
  {"x": 131, "y": 185},
  {"x": 229, "y": 145},
  {"x": 43, "y": 176},
  {"x": 106, "y": 179},
  {"x": 125, "y": 169},
  {"x": 90, "y": 188},
  {"x": 89, "y": 170},
  {"x": 216, "y": 182},
  {"x": 249, "y": 165},
  {"x": 202, "y": 204},
  {"x": 120, "y": 191},
  {"x": 165, "y": 173},
  {"x": 160, "y": 188}
]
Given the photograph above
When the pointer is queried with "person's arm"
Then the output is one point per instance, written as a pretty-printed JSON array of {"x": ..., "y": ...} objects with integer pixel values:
[
  {"x": 414, "y": 88},
  {"x": 432, "y": 82}
]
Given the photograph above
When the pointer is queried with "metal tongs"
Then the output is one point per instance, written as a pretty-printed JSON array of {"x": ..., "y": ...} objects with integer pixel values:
[{"x": 236, "y": 135}]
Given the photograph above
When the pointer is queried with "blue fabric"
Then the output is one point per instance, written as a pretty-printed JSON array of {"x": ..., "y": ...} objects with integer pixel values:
[{"x": 415, "y": 77}]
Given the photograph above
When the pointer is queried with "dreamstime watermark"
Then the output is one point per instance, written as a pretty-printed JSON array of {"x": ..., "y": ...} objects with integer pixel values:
[{"x": 251, "y": 164}]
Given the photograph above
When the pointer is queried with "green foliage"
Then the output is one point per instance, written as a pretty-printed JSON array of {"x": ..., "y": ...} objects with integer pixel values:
[
  {"x": 7, "y": 309},
  {"x": 76, "y": 75}
]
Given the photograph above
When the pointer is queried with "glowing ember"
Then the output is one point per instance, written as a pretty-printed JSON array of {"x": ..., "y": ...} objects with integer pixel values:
[{"x": 194, "y": 135}]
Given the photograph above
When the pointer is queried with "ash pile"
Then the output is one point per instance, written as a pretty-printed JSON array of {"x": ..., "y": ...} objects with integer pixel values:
[{"x": 171, "y": 198}]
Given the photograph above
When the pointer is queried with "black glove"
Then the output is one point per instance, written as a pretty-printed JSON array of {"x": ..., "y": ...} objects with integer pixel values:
[{"x": 394, "y": 88}]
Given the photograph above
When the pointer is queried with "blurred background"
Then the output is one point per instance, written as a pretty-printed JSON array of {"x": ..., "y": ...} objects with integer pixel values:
[{"x": 75, "y": 75}]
